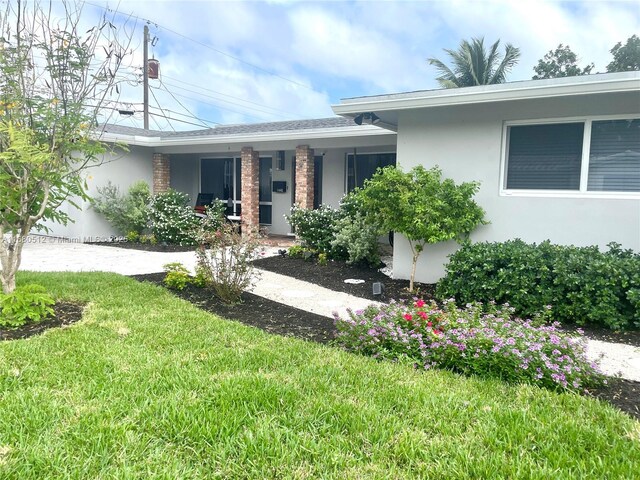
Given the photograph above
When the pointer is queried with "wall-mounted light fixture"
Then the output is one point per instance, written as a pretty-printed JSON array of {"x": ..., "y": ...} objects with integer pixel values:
[{"x": 367, "y": 118}]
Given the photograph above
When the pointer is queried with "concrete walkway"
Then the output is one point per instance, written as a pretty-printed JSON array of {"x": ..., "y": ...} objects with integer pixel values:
[
  {"x": 306, "y": 296},
  {"x": 53, "y": 256}
]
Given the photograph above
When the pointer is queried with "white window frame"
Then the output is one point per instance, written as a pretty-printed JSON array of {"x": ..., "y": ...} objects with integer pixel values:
[
  {"x": 235, "y": 159},
  {"x": 346, "y": 164},
  {"x": 584, "y": 172}
]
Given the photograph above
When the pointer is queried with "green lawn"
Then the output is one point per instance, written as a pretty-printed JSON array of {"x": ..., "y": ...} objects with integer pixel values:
[{"x": 148, "y": 386}]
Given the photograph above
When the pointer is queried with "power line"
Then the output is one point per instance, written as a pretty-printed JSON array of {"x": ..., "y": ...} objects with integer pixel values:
[
  {"x": 224, "y": 95},
  {"x": 181, "y": 104},
  {"x": 221, "y": 52},
  {"x": 220, "y": 107},
  {"x": 154, "y": 97},
  {"x": 203, "y": 120}
]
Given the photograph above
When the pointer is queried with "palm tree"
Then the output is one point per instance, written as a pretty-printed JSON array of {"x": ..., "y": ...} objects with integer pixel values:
[{"x": 473, "y": 65}]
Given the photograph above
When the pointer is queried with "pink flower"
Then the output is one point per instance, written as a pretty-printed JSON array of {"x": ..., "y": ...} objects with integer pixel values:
[
  {"x": 407, "y": 316},
  {"x": 422, "y": 315},
  {"x": 429, "y": 324},
  {"x": 420, "y": 303}
]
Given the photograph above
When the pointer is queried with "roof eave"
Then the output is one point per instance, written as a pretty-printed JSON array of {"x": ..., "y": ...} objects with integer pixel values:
[
  {"x": 245, "y": 138},
  {"x": 440, "y": 98}
]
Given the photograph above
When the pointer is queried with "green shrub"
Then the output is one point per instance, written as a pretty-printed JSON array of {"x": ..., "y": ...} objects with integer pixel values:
[
  {"x": 581, "y": 284},
  {"x": 133, "y": 237},
  {"x": 323, "y": 260},
  {"x": 28, "y": 303},
  {"x": 200, "y": 279},
  {"x": 148, "y": 239},
  {"x": 177, "y": 277},
  {"x": 225, "y": 260},
  {"x": 315, "y": 228},
  {"x": 126, "y": 213},
  {"x": 296, "y": 251},
  {"x": 358, "y": 238},
  {"x": 474, "y": 340},
  {"x": 173, "y": 220}
]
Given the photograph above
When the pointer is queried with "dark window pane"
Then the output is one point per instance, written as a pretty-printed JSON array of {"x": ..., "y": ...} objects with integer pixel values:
[
  {"x": 317, "y": 181},
  {"x": 365, "y": 166},
  {"x": 215, "y": 178},
  {"x": 265, "y": 180},
  {"x": 265, "y": 214},
  {"x": 545, "y": 157},
  {"x": 614, "y": 159},
  {"x": 238, "y": 179}
]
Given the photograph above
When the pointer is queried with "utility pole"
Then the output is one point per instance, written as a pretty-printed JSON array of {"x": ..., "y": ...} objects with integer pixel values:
[{"x": 145, "y": 77}]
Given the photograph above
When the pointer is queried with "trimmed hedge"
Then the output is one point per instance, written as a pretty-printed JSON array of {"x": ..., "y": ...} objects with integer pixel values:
[{"x": 581, "y": 284}]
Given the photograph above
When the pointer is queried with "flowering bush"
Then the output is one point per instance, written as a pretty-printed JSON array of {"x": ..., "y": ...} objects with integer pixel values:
[
  {"x": 224, "y": 260},
  {"x": 172, "y": 219},
  {"x": 316, "y": 228},
  {"x": 475, "y": 340}
]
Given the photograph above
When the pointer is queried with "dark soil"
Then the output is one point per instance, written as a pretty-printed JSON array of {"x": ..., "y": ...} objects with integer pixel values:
[
  {"x": 273, "y": 317},
  {"x": 147, "y": 247},
  {"x": 283, "y": 320},
  {"x": 334, "y": 273},
  {"x": 65, "y": 313}
]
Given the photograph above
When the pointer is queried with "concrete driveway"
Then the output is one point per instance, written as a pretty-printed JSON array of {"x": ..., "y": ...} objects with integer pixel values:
[{"x": 52, "y": 255}]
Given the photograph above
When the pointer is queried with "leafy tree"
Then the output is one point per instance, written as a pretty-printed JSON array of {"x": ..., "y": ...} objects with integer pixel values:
[
  {"x": 473, "y": 65},
  {"x": 560, "y": 63},
  {"x": 54, "y": 80},
  {"x": 626, "y": 57},
  {"x": 422, "y": 206}
]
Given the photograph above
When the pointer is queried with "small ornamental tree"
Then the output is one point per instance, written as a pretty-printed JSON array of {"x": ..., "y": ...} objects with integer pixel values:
[
  {"x": 422, "y": 206},
  {"x": 55, "y": 77}
]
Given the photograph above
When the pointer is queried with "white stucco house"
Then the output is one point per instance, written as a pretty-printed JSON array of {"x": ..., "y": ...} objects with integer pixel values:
[
  {"x": 557, "y": 159},
  {"x": 260, "y": 169}
]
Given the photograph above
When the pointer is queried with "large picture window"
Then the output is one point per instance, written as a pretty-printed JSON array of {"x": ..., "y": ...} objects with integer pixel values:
[
  {"x": 363, "y": 165},
  {"x": 586, "y": 156}
]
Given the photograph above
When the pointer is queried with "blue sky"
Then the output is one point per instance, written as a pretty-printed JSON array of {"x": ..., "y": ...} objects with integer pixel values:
[{"x": 287, "y": 59}]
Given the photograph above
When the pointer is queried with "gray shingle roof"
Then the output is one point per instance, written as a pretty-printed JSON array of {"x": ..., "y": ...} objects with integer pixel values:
[{"x": 243, "y": 129}]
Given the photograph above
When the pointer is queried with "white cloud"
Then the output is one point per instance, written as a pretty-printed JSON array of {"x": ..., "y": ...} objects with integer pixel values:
[
  {"x": 339, "y": 49},
  {"x": 324, "y": 42}
]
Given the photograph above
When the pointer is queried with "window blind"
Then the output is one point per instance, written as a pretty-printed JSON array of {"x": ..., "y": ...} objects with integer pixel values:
[
  {"x": 614, "y": 158},
  {"x": 545, "y": 157}
]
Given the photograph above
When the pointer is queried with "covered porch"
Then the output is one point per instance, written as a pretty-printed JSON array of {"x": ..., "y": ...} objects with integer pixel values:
[{"x": 260, "y": 176}]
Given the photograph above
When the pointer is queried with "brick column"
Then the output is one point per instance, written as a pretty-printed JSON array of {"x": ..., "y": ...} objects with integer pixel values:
[
  {"x": 304, "y": 176},
  {"x": 250, "y": 181},
  {"x": 161, "y": 173}
]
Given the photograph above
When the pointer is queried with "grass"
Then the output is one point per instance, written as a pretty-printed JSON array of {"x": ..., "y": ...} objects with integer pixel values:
[{"x": 147, "y": 386}]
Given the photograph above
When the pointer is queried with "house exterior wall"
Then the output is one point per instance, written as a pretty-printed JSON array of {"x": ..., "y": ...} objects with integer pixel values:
[
  {"x": 185, "y": 176},
  {"x": 467, "y": 143},
  {"x": 122, "y": 169}
]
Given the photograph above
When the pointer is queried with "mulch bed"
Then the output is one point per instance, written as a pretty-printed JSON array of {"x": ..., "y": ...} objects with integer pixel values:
[
  {"x": 333, "y": 274},
  {"x": 273, "y": 317},
  {"x": 65, "y": 313},
  {"x": 280, "y": 319}
]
